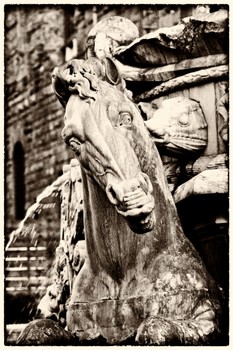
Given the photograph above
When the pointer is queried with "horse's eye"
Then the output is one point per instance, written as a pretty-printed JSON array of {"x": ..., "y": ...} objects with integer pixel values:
[{"x": 125, "y": 118}]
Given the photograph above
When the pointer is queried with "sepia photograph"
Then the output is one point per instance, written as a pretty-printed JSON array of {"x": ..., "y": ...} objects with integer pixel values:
[{"x": 116, "y": 174}]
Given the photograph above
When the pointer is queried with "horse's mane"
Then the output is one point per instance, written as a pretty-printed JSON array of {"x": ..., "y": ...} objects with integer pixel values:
[
  {"x": 84, "y": 77},
  {"x": 84, "y": 80}
]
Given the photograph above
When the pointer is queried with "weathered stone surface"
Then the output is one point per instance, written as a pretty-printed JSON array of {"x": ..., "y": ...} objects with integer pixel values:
[
  {"x": 193, "y": 37},
  {"x": 108, "y": 34},
  {"x": 170, "y": 71},
  {"x": 45, "y": 332},
  {"x": 137, "y": 269},
  {"x": 185, "y": 81},
  {"x": 207, "y": 182},
  {"x": 18, "y": 117}
]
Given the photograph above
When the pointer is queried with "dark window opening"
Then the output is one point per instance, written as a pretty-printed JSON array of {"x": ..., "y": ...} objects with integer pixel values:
[{"x": 19, "y": 185}]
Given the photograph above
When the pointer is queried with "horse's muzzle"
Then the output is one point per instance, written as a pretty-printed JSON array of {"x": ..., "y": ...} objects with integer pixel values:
[{"x": 132, "y": 197}]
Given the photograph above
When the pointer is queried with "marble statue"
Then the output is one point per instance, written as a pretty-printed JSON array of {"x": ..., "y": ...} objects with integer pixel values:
[{"x": 142, "y": 280}]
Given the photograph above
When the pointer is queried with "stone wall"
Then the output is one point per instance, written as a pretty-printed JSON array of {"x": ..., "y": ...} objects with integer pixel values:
[{"x": 38, "y": 38}]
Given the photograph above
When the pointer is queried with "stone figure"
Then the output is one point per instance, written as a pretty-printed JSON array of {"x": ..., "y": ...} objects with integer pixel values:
[
  {"x": 52, "y": 305},
  {"x": 142, "y": 281},
  {"x": 108, "y": 34},
  {"x": 71, "y": 251},
  {"x": 223, "y": 111},
  {"x": 179, "y": 126}
]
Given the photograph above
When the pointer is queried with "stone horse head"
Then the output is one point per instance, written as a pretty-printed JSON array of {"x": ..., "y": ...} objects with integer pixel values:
[{"x": 142, "y": 278}]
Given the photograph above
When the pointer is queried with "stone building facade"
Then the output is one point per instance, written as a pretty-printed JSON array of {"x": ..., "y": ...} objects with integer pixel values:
[{"x": 38, "y": 38}]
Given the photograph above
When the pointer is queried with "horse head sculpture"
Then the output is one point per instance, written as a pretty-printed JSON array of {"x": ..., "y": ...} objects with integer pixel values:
[{"x": 142, "y": 278}]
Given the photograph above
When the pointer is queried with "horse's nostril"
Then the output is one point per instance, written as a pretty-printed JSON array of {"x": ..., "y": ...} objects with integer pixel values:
[
  {"x": 111, "y": 195},
  {"x": 63, "y": 134},
  {"x": 114, "y": 194},
  {"x": 67, "y": 132}
]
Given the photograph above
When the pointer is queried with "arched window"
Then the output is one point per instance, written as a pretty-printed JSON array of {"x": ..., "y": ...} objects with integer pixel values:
[{"x": 19, "y": 185}]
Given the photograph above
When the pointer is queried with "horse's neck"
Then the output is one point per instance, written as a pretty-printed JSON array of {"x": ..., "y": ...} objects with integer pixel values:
[
  {"x": 107, "y": 233},
  {"x": 111, "y": 245}
]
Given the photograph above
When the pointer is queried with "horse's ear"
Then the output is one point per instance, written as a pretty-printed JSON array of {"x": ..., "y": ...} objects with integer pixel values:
[{"x": 112, "y": 74}]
